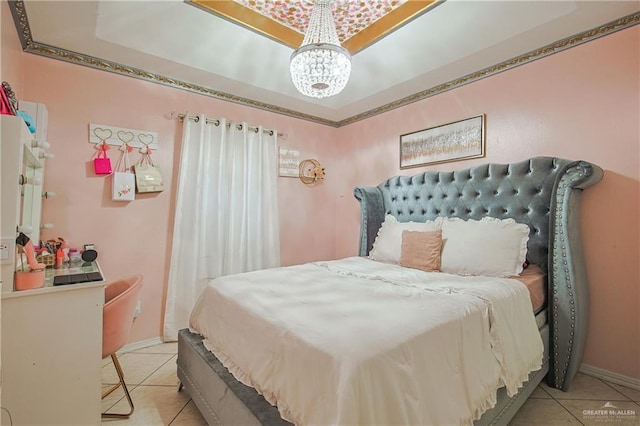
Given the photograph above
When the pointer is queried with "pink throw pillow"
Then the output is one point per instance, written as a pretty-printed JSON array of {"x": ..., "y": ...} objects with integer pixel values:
[{"x": 421, "y": 250}]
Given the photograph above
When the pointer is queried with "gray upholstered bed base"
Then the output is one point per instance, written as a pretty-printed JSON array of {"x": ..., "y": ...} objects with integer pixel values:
[
  {"x": 223, "y": 400},
  {"x": 542, "y": 192}
]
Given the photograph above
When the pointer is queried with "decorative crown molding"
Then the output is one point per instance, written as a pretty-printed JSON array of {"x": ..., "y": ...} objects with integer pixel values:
[
  {"x": 30, "y": 46},
  {"x": 550, "y": 49}
]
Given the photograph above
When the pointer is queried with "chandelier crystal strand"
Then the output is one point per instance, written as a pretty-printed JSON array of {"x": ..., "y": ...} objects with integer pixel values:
[{"x": 320, "y": 67}]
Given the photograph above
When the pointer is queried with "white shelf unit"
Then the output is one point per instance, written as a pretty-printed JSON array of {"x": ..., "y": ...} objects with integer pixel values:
[
  {"x": 22, "y": 156},
  {"x": 18, "y": 159}
]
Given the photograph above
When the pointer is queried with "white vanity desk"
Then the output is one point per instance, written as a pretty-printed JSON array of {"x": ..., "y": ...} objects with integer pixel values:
[{"x": 52, "y": 352}]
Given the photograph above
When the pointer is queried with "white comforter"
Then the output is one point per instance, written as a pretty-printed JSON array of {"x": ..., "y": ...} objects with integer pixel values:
[{"x": 355, "y": 341}]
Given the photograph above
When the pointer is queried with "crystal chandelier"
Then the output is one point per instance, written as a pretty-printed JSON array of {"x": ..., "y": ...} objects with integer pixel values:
[{"x": 320, "y": 67}]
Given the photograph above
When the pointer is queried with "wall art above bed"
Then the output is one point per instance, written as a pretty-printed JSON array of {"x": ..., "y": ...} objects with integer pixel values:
[{"x": 459, "y": 140}]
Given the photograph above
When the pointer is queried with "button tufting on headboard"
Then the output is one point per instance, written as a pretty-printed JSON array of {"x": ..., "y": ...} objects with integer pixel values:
[{"x": 521, "y": 191}]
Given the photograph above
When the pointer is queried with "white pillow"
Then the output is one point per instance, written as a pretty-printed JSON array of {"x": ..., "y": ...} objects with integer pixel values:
[
  {"x": 388, "y": 244},
  {"x": 490, "y": 247}
]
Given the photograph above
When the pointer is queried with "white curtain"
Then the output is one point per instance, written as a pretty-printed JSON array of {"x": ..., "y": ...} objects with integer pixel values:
[{"x": 226, "y": 218}]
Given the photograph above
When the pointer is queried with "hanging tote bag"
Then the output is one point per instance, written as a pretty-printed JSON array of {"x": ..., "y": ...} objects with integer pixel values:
[
  {"x": 123, "y": 181},
  {"x": 102, "y": 162},
  {"x": 148, "y": 175},
  {"x": 8, "y": 101},
  {"x": 5, "y": 105}
]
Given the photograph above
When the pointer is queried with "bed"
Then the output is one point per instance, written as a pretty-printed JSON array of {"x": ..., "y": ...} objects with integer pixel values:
[{"x": 543, "y": 193}]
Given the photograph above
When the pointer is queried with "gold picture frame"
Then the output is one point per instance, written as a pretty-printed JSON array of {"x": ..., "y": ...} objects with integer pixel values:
[{"x": 459, "y": 140}]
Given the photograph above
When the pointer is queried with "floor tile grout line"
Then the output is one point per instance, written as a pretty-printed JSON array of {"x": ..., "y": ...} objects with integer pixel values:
[
  {"x": 153, "y": 372},
  {"x": 143, "y": 380},
  {"x": 559, "y": 401},
  {"x": 142, "y": 351},
  {"x": 179, "y": 411},
  {"x": 593, "y": 399},
  {"x": 161, "y": 386},
  {"x": 118, "y": 400},
  {"x": 609, "y": 384},
  {"x": 121, "y": 398},
  {"x": 569, "y": 411},
  {"x": 545, "y": 392},
  {"x": 132, "y": 386}
]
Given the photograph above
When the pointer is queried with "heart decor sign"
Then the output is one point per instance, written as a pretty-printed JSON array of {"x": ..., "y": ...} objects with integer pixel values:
[
  {"x": 121, "y": 136},
  {"x": 125, "y": 137},
  {"x": 102, "y": 134},
  {"x": 145, "y": 138}
]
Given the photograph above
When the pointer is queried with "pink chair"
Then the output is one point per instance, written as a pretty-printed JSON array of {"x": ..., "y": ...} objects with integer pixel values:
[{"x": 120, "y": 301}]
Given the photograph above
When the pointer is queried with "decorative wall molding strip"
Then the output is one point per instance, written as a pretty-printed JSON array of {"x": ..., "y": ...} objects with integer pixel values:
[
  {"x": 114, "y": 67},
  {"x": 30, "y": 46},
  {"x": 22, "y": 23},
  {"x": 550, "y": 49}
]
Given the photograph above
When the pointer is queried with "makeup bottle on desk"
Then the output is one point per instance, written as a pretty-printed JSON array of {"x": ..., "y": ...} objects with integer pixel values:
[{"x": 59, "y": 258}]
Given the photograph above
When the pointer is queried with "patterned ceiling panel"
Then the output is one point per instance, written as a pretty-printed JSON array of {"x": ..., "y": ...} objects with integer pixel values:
[
  {"x": 359, "y": 23},
  {"x": 350, "y": 16}
]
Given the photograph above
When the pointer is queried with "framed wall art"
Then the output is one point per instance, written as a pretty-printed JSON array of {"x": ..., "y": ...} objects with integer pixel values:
[{"x": 459, "y": 140}]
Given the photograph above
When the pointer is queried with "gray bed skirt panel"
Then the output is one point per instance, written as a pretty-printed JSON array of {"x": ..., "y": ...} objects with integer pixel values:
[{"x": 221, "y": 399}]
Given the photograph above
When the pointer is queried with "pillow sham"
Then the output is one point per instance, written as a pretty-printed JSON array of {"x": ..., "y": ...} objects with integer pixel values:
[
  {"x": 421, "y": 250},
  {"x": 387, "y": 246},
  {"x": 490, "y": 246}
]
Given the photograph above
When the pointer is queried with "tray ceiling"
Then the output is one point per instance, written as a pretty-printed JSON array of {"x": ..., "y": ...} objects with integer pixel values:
[{"x": 435, "y": 48}]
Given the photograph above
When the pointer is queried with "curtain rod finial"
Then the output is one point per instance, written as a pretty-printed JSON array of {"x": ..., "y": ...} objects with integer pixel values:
[{"x": 174, "y": 115}]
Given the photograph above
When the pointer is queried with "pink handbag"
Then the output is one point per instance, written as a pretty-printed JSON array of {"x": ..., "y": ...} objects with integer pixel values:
[
  {"x": 5, "y": 105},
  {"x": 102, "y": 163}
]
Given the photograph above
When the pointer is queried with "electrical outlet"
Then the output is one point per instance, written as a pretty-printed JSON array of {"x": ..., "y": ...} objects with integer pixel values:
[
  {"x": 138, "y": 310},
  {"x": 7, "y": 250}
]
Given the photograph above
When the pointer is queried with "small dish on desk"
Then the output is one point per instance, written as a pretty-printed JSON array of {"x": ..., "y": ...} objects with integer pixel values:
[{"x": 29, "y": 280}]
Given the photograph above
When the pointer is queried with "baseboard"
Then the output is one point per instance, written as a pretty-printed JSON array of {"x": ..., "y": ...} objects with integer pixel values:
[
  {"x": 609, "y": 376},
  {"x": 140, "y": 345}
]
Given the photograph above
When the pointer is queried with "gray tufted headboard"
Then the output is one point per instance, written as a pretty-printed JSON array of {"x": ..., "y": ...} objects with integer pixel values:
[{"x": 543, "y": 192}]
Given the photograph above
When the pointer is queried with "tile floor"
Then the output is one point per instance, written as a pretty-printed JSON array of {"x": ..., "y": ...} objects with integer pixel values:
[{"x": 150, "y": 374}]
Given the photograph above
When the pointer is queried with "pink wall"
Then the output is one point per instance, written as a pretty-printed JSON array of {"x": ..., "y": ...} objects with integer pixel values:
[
  {"x": 11, "y": 51},
  {"x": 580, "y": 104},
  {"x": 136, "y": 237}
]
